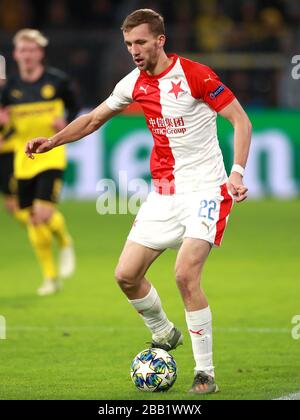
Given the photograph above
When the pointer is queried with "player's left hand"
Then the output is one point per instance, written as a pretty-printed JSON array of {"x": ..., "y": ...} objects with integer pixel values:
[
  {"x": 59, "y": 124},
  {"x": 236, "y": 187}
]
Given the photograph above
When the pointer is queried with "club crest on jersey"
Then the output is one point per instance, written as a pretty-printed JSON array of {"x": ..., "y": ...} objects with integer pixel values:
[
  {"x": 48, "y": 91},
  {"x": 176, "y": 89},
  {"x": 217, "y": 92}
]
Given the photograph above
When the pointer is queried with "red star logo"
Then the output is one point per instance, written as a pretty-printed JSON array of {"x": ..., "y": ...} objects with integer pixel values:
[{"x": 176, "y": 89}]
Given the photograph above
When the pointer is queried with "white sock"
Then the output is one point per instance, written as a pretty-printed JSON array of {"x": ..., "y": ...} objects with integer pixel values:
[
  {"x": 200, "y": 328},
  {"x": 151, "y": 311}
]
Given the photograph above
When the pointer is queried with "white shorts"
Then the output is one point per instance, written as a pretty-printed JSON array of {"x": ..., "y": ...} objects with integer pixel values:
[{"x": 163, "y": 221}]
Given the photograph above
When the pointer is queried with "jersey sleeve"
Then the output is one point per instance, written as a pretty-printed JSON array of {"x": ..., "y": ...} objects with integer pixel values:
[
  {"x": 122, "y": 93},
  {"x": 206, "y": 85}
]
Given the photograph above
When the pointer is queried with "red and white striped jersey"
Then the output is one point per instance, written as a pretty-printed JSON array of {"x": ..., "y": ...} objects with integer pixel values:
[{"x": 180, "y": 107}]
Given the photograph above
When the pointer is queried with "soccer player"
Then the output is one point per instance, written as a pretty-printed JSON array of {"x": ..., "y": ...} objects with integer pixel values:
[
  {"x": 7, "y": 182},
  {"x": 40, "y": 100},
  {"x": 193, "y": 195}
]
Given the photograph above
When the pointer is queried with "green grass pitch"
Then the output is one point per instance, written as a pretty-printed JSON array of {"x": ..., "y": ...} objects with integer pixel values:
[{"x": 79, "y": 343}]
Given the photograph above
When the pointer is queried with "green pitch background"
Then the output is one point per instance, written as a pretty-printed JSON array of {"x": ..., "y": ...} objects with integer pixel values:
[{"x": 79, "y": 343}]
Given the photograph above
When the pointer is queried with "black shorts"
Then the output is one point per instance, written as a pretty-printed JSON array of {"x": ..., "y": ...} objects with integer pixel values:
[
  {"x": 8, "y": 185},
  {"x": 45, "y": 186}
]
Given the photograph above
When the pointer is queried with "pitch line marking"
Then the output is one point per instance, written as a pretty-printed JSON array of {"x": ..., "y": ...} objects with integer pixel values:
[{"x": 231, "y": 330}]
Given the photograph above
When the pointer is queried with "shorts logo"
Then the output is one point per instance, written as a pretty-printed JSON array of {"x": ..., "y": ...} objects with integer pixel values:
[
  {"x": 206, "y": 225},
  {"x": 217, "y": 92}
]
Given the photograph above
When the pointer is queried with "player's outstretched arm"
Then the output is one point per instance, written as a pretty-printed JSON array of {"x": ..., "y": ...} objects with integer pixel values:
[
  {"x": 80, "y": 127},
  {"x": 242, "y": 139}
]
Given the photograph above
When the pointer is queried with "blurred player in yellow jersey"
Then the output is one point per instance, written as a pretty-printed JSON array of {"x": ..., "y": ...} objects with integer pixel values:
[
  {"x": 39, "y": 99},
  {"x": 7, "y": 181}
]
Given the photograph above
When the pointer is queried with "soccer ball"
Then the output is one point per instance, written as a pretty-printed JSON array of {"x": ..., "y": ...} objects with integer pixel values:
[{"x": 153, "y": 370}]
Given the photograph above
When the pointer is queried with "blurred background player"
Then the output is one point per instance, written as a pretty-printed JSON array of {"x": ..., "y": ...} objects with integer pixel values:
[
  {"x": 7, "y": 181},
  {"x": 39, "y": 99}
]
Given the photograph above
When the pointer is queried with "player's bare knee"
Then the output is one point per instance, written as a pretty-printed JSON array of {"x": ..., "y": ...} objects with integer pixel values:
[
  {"x": 119, "y": 275},
  {"x": 125, "y": 279},
  {"x": 42, "y": 215},
  {"x": 36, "y": 219},
  {"x": 186, "y": 283},
  {"x": 182, "y": 278},
  {"x": 10, "y": 205},
  {"x": 9, "y": 208}
]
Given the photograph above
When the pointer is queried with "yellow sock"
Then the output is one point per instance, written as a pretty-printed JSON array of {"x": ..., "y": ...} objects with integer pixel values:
[
  {"x": 41, "y": 239},
  {"x": 22, "y": 215},
  {"x": 58, "y": 227}
]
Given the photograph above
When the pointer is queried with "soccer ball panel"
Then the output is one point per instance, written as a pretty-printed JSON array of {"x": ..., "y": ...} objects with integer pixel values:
[{"x": 153, "y": 370}]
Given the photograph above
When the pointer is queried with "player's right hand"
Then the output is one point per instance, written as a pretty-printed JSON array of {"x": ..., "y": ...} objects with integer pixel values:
[{"x": 38, "y": 145}]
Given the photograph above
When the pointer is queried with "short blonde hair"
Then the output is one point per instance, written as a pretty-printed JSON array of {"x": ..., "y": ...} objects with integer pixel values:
[{"x": 31, "y": 35}]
